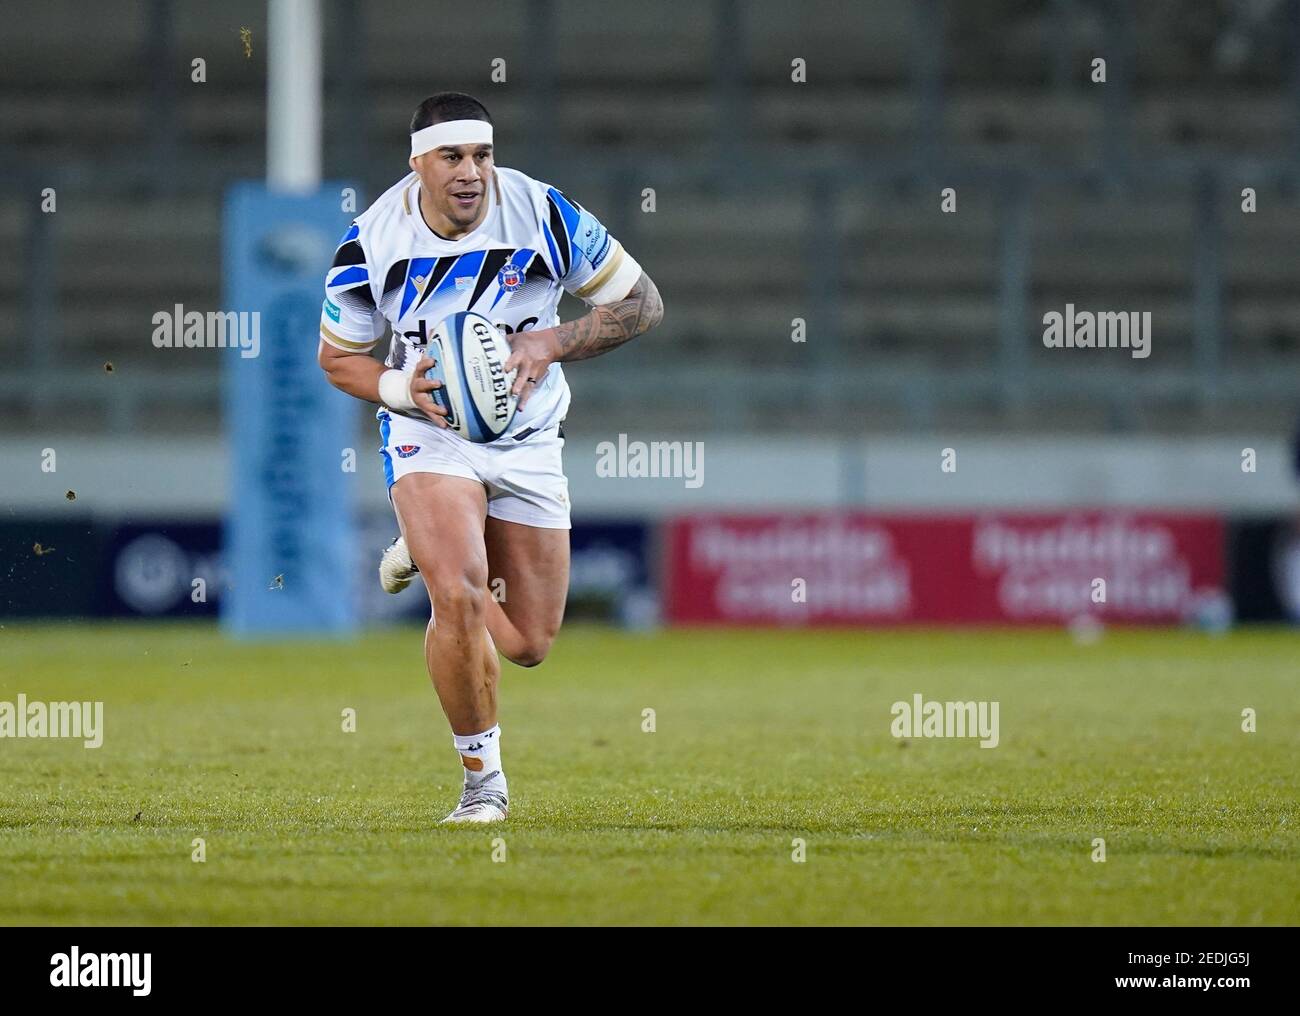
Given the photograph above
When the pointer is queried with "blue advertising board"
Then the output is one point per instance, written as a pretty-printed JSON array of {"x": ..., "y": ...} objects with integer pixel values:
[{"x": 288, "y": 525}]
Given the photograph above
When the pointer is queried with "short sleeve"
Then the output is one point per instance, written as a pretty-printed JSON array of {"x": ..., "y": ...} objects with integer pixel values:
[
  {"x": 349, "y": 319},
  {"x": 594, "y": 266}
]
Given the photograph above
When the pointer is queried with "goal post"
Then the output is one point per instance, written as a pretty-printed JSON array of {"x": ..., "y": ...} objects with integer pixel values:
[{"x": 293, "y": 96}]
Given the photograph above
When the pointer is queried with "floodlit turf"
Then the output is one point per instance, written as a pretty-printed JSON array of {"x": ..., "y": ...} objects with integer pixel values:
[{"x": 760, "y": 738}]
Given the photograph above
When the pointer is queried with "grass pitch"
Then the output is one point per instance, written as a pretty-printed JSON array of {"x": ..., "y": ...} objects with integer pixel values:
[{"x": 761, "y": 738}]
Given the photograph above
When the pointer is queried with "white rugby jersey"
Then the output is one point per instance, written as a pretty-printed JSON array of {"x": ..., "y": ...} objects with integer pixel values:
[{"x": 393, "y": 275}]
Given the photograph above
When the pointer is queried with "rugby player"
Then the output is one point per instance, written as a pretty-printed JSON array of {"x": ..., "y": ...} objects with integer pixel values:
[{"x": 461, "y": 233}]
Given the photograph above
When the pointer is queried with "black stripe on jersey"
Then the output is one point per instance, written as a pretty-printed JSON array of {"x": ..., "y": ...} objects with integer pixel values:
[
  {"x": 357, "y": 298},
  {"x": 440, "y": 268},
  {"x": 493, "y": 261},
  {"x": 396, "y": 276},
  {"x": 349, "y": 253},
  {"x": 537, "y": 266},
  {"x": 560, "y": 233}
]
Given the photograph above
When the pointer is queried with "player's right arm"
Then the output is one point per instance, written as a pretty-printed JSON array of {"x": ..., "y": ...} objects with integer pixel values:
[
  {"x": 350, "y": 326},
  {"x": 362, "y": 376}
]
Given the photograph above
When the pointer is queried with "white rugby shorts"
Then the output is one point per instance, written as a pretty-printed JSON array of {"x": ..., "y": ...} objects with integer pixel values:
[{"x": 524, "y": 479}]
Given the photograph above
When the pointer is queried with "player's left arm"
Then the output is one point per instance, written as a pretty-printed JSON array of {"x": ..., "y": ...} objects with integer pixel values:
[
  {"x": 594, "y": 267},
  {"x": 607, "y": 326},
  {"x": 610, "y": 325}
]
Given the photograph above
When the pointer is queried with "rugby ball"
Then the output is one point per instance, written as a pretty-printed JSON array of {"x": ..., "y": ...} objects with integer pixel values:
[{"x": 471, "y": 354}]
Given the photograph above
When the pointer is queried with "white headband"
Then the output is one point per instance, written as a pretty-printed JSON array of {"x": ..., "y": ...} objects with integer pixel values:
[{"x": 451, "y": 132}]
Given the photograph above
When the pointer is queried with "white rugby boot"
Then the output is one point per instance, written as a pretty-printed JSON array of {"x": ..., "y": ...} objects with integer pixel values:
[
  {"x": 482, "y": 801},
  {"x": 396, "y": 569}
]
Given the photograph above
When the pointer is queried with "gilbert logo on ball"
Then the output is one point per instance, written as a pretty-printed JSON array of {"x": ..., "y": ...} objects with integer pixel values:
[{"x": 471, "y": 354}]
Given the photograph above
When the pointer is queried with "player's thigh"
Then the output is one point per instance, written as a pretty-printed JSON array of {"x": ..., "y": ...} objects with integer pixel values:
[
  {"x": 442, "y": 519},
  {"x": 533, "y": 566}
]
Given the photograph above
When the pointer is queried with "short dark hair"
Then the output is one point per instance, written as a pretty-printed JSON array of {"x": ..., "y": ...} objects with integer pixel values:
[{"x": 448, "y": 106}]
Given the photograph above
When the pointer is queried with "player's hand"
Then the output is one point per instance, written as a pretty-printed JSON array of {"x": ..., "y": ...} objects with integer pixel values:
[
  {"x": 421, "y": 386},
  {"x": 531, "y": 355}
]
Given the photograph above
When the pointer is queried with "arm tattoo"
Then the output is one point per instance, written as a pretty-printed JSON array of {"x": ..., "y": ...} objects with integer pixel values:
[{"x": 610, "y": 325}]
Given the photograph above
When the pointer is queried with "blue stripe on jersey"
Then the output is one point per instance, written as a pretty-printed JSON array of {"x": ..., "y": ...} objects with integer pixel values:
[
  {"x": 420, "y": 267},
  {"x": 349, "y": 275},
  {"x": 385, "y": 429},
  {"x": 570, "y": 216},
  {"x": 466, "y": 264},
  {"x": 351, "y": 234}
]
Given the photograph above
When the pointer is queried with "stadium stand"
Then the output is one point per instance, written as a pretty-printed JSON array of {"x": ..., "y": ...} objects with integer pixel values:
[{"x": 774, "y": 200}]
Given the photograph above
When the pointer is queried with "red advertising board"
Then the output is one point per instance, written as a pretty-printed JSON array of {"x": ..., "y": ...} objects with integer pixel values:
[{"x": 831, "y": 568}]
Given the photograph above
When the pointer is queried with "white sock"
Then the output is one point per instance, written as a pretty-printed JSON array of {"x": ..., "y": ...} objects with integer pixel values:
[{"x": 480, "y": 754}]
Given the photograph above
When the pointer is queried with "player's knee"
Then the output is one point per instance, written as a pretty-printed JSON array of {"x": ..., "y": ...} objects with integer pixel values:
[
  {"x": 533, "y": 650},
  {"x": 458, "y": 599},
  {"x": 530, "y": 654}
]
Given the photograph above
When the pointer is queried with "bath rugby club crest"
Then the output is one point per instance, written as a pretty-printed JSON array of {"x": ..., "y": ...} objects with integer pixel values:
[
  {"x": 511, "y": 277},
  {"x": 405, "y": 451}
]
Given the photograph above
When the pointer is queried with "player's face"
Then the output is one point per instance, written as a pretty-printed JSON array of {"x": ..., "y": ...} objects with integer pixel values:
[{"x": 455, "y": 182}]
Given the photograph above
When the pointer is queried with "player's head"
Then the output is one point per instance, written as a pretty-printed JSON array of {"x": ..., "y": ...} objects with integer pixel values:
[{"x": 451, "y": 150}]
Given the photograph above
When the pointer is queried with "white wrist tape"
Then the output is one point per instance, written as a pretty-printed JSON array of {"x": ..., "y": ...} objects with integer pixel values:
[{"x": 395, "y": 390}]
